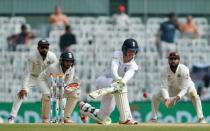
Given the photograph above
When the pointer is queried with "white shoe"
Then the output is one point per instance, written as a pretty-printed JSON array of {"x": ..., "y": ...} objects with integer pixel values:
[
  {"x": 45, "y": 121},
  {"x": 153, "y": 120},
  {"x": 11, "y": 120},
  {"x": 66, "y": 120},
  {"x": 129, "y": 122},
  {"x": 202, "y": 121}
]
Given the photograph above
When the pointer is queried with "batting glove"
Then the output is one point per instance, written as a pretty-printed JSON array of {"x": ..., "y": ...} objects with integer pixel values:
[{"x": 118, "y": 84}]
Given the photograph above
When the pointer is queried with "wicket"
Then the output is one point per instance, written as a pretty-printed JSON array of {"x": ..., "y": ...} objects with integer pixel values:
[{"x": 57, "y": 95}]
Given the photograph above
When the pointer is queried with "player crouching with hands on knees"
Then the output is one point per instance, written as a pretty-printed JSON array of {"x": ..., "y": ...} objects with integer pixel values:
[
  {"x": 120, "y": 70},
  {"x": 176, "y": 83},
  {"x": 66, "y": 68}
]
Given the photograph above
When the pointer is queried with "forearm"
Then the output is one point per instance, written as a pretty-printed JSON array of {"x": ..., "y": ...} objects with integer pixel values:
[
  {"x": 27, "y": 75},
  {"x": 182, "y": 92},
  {"x": 25, "y": 82},
  {"x": 164, "y": 93},
  {"x": 114, "y": 68},
  {"x": 128, "y": 75}
]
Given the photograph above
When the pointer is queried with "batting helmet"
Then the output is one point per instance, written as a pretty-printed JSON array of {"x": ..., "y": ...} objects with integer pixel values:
[
  {"x": 130, "y": 44},
  {"x": 68, "y": 56},
  {"x": 43, "y": 42}
]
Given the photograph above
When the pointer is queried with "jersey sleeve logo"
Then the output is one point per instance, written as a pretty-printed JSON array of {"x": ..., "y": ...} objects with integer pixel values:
[{"x": 169, "y": 77}]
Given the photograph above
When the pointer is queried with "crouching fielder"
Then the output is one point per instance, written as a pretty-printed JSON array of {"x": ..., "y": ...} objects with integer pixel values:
[
  {"x": 66, "y": 67},
  {"x": 176, "y": 83},
  {"x": 121, "y": 69},
  {"x": 37, "y": 62}
]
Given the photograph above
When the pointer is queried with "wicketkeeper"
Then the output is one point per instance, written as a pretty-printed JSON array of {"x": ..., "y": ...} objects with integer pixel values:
[
  {"x": 65, "y": 66},
  {"x": 120, "y": 70},
  {"x": 175, "y": 84}
]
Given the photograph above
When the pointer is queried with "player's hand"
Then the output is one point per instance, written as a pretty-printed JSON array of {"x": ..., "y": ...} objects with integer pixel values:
[
  {"x": 118, "y": 84},
  {"x": 22, "y": 94},
  {"x": 167, "y": 102},
  {"x": 176, "y": 98}
]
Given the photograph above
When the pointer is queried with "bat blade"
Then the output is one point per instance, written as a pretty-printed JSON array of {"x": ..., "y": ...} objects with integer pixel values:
[{"x": 101, "y": 92}]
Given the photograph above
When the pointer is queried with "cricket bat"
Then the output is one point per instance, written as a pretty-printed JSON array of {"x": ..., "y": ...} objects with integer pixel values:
[{"x": 101, "y": 92}]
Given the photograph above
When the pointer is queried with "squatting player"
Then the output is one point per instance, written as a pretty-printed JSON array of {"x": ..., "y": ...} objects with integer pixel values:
[
  {"x": 38, "y": 61},
  {"x": 65, "y": 66},
  {"x": 121, "y": 69},
  {"x": 176, "y": 83}
]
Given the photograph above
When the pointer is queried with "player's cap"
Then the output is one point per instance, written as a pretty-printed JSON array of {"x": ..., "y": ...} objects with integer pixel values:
[
  {"x": 173, "y": 55},
  {"x": 43, "y": 42}
]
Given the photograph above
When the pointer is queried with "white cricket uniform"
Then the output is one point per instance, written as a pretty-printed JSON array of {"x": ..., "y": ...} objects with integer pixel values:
[
  {"x": 176, "y": 84},
  {"x": 44, "y": 83},
  {"x": 35, "y": 65},
  {"x": 117, "y": 69},
  {"x": 55, "y": 69}
]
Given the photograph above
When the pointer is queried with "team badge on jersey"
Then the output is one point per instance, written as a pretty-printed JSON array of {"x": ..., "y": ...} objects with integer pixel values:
[
  {"x": 178, "y": 75},
  {"x": 48, "y": 62},
  {"x": 125, "y": 69},
  {"x": 169, "y": 77},
  {"x": 38, "y": 62}
]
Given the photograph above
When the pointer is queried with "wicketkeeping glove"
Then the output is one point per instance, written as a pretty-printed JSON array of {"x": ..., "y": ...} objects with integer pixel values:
[
  {"x": 72, "y": 87},
  {"x": 118, "y": 84}
]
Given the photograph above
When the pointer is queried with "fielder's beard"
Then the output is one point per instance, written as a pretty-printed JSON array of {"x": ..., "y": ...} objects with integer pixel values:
[
  {"x": 172, "y": 66},
  {"x": 43, "y": 54}
]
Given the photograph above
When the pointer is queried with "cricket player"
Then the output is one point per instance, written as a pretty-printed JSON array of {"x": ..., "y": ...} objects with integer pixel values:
[
  {"x": 65, "y": 66},
  {"x": 175, "y": 84},
  {"x": 120, "y": 70},
  {"x": 37, "y": 61}
]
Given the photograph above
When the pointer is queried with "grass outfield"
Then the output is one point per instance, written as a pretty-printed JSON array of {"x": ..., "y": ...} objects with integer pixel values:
[{"x": 96, "y": 127}]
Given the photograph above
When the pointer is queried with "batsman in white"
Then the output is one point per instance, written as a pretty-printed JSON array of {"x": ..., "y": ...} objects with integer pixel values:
[
  {"x": 175, "y": 84},
  {"x": 120, "y": 70},
  {"x": 66, "y": 66},
  {"x": 37, "y": 61}
]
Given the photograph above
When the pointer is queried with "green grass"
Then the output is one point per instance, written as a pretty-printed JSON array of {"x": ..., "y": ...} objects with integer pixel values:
[{"x": 96, "y": 127}]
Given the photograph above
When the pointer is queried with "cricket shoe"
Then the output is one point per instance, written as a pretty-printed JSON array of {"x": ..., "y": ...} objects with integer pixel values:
[
  {"x": 67, "y": 120},
  {"x": 84, "y": 118},
  {"x": 87, "y": 110},
  {"x": 11, "y": 119},
  {"x": 153, "y": 120},
  {"x": 202, "y": 121},
  {"x": 46, "y": 121},
  {"x": 129, "y": 122}
]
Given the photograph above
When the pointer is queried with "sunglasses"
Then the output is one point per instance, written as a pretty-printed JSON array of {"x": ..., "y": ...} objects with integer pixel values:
[
  {"x": 44, "y": 47},
  {"x": 173, "y": 58}
]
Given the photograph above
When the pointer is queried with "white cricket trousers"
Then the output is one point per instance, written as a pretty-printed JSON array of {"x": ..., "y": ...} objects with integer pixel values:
[{"x": 108, "y": 102}]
